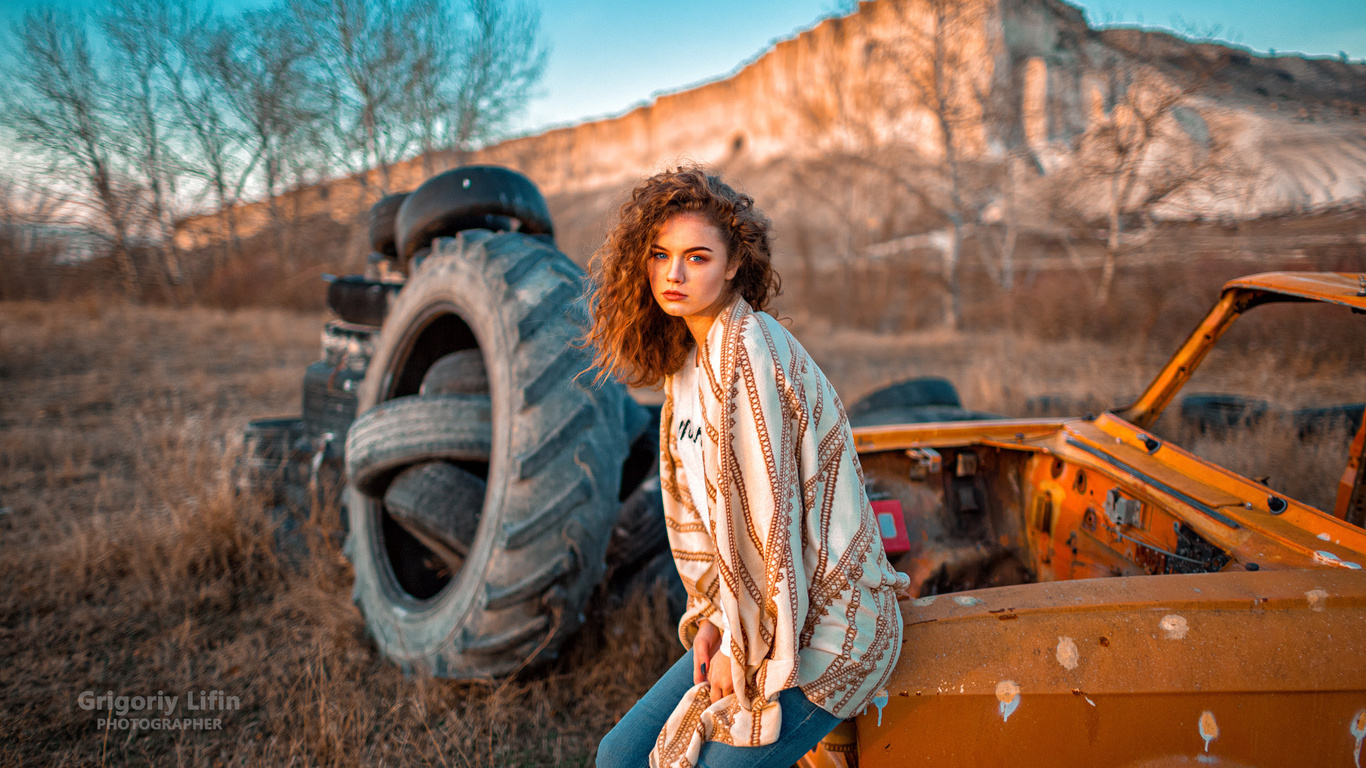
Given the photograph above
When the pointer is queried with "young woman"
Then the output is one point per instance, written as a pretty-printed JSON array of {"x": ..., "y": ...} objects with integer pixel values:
[{"x": 791, "y": 621}]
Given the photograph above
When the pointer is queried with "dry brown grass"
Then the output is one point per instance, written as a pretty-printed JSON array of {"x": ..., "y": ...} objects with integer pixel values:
[{"x": 135, "y": 565}]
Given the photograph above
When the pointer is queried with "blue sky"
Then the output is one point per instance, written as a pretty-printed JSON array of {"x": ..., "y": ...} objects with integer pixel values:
[{"x": 608, "y": 56}]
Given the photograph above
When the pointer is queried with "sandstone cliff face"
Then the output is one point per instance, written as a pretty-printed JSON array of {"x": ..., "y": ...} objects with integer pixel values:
[{"x": 1028, "y": 81}]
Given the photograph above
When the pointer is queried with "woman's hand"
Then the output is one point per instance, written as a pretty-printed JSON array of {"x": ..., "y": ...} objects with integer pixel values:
[
  {"x": 704, "y": 646},
  {"x": 718, "y": 674}
]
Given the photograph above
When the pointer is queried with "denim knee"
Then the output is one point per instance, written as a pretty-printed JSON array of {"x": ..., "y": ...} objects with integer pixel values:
[{"x": 615, "y": 748}]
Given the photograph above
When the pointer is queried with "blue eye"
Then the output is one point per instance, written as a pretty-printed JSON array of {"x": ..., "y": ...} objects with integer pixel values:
[{"x": 659, "y": 255}]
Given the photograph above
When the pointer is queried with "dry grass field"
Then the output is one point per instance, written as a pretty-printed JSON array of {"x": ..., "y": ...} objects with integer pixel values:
[{"x": 134, "y": 564}]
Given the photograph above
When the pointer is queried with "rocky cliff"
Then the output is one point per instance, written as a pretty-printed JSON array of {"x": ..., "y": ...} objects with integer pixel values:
[{"x": 1019, "y": 84}]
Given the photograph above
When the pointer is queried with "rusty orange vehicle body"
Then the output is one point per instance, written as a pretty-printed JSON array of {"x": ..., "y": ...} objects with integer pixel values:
[{"x": 1158, "y": 610}]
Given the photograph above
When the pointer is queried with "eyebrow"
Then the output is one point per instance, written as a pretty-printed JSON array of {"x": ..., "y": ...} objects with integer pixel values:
[{"x": 658, "y": 247}]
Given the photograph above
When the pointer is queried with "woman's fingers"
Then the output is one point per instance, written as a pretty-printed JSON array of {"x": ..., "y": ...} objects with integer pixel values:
[
  {"x": 703, "y": 646},
  {"x": 719, "y": 677}
]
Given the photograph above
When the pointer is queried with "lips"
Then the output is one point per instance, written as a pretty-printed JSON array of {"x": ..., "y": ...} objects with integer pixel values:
[{"x": 674, "y": 295}]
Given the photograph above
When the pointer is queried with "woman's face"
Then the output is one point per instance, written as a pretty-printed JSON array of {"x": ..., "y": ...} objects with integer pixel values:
[{"x": 690, "y": 271}]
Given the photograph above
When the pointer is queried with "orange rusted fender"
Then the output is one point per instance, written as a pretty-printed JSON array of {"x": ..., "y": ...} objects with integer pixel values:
[{"x": 1223, "y": 669}]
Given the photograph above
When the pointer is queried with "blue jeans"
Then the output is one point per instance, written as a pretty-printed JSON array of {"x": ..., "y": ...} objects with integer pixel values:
[{"x": 628, "y": 745}]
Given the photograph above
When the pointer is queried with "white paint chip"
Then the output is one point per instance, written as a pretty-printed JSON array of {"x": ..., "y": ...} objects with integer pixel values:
[
  {"x": 1325, "y": 536},
  {"x": 921, "y": 602},
  {"x": 1008, "y": 694},
  {"x": 1067, "y": 653},
  {"x": 1316, "y": 598},
  {"x": 967, "y": 600},
  {"x": 1174, "y": 627}
]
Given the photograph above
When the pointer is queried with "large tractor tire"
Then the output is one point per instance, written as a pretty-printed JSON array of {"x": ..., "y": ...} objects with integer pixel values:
[{"x": 558, "y": 445}]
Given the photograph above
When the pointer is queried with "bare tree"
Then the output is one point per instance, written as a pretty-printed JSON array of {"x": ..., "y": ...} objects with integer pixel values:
[
  {"x": 872, "y": 107},
  {"x": 141, "y": 34},
  {"x": 259, "y": 68},
  {"x": 405, "y": 74},
  {"x": 502, "y": 61},
  {"x": 933, "y": 56},
  {"x": 217, "y": 144},
  {"x": 1144, "y": 148},
  {"x": 30, "y": 239},
  {"x": 364, "y": 57},
  {"x": 58, "y": 107}
]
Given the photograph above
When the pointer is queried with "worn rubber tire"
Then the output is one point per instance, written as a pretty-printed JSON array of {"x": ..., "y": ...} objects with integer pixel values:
[
  {"x": 912, "y": 393},
  {"x": 382, "y": 223},
  {"x": 473, "y": 197},
  {"x": 456, "y": 373},
  {"x": 361, "y": 301},
  {"x": 922, "y": 414},
  {"x": 1314, "y": 421},
  {"x": 439, "y": 503},
  {"x": 643, "y": 459},
  {"x": 659, "y": 569},
  {"x": 329, "y": 401},
  {"x": 640, "y": 532},
  {"x": 272, "y": 438},
  {"x": 269, "y": 448},
  {"x": 1218, "y": 412},
  {"x": 409, "y": 430},
  {"x": 558, "y": 448},
  {"x": 352, "y": 346}
]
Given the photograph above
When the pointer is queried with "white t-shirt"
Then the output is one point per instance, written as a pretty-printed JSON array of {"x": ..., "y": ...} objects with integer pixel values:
[{"x": 687, "y": 426}]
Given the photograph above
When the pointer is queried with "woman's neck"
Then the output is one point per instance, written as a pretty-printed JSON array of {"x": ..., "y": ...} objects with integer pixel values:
[{"x": 699, "y": 325}]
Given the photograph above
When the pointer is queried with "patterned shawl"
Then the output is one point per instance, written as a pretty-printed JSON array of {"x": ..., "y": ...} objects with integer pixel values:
[{"x": 793, "y": 558}]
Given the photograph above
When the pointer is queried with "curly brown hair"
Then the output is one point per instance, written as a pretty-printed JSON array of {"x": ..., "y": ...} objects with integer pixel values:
[{"x": 634, "y": 341}]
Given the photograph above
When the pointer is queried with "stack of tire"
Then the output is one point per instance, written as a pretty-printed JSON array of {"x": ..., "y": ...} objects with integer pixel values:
[
  {"x": 296, "y": 462},
  {"x": 487, "y": 470}
]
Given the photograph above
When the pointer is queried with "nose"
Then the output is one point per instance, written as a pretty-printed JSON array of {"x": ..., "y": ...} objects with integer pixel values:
[{"x": 675, "y": 273}]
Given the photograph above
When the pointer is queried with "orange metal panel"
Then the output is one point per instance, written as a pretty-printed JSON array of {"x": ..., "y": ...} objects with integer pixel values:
[
  {"x": 1233, "y": 668},
  {"x": 1006, "y": 433}
]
